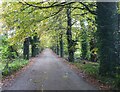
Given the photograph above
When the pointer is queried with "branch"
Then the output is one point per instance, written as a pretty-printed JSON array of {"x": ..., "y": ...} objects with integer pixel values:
[
  {"x": 81, "y": 14},
  {"x": 61, "y": 4},
  {"x": 52, "y": 14},
  {"x": 26, "y": 15},
  {"x": 45, "y": 7},
  {"x": 18, "y": 11},
  {"x": 46, "y": 17},
  {"x": 92, "y": 12}
]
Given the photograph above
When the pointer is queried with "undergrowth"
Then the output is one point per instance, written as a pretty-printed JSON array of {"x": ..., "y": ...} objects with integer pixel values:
[
  {"x": 89, "y": 68},
  {"x": 92, "y": 69},
  {"x": 14, "y": 66}
]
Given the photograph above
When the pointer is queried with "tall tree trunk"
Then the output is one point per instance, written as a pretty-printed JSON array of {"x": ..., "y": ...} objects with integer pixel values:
[
  {"x": 12, "y": 52},
  {"x": 119, "y": 41},
  {"x": 84, "y": 40},
  {"x": 57, "y": 47},
  {"x": 119, "y": 36},
  {"x": 26, "y": 48},
  {"x": 61, "y": 36},
  {"x": 69, "y": 35},
  {"x": 61, "y": 45},
  {"x": 93, "y": 54},
  {"x": 84, "y": 44},
  {"x": 107, "y": 21},
  {"x": 35, "y": 48}
]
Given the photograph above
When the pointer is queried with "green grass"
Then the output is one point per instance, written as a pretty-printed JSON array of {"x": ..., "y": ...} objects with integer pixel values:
[
  {"x": 89, "y": 68},
  {"x": 92, "y": 69},
  {"x": 14, "y": 66}
]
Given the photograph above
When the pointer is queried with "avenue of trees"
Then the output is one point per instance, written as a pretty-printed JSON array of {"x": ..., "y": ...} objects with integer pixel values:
[{"x": 85, "y": 30}]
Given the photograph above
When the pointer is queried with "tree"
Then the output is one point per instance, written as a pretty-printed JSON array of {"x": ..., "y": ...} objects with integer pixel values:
[
  {"x": 26, "y": 48},
  {"x": 34, "y": 45},
  {"x": 84, "y": 41},
  {"x": 69, "y": 35},
  {"x": 61, "y": 45},
  {"x": 107, "y": 21},
  {"x": 57, "y": 46}
]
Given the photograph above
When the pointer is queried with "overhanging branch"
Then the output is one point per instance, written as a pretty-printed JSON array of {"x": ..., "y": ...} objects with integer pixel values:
[
  {"x": 91, "y": 11},
  {"x": 50, "y": 6}
]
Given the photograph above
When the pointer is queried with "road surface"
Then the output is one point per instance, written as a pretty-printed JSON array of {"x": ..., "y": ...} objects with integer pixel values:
[{"x": 49, "y": 73}]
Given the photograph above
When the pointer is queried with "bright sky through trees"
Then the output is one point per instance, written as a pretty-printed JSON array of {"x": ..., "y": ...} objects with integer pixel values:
[{"x": 0, "y": 1}]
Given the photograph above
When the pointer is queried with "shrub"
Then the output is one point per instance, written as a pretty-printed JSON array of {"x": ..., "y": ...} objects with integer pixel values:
[
  {"x": 116, "y": 83},
  {"x": 92, "y": 69},
  {"x": 6, "y": 72},
  {"x": 14, "y": 66}
]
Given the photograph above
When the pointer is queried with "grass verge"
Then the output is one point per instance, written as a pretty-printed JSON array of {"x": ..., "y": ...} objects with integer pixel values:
[
  {"x": 14, "y": 66},
  {"x": 92, "y": 70},
  {"x": 89, "y": 68}
]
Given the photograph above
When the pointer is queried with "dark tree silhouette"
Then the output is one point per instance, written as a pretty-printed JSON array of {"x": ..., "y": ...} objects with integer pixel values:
[{"x": 107, "y": 21}]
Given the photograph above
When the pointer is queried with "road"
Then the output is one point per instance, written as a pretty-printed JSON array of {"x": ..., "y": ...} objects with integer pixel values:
[{"x": 49, "y": 73}]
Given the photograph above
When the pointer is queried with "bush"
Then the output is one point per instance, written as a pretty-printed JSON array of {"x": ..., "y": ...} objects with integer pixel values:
[
  {"x": 6, "y": 72},
  {"x": 14, "y": 66},
  {"x": 2, "y": 65},
  {"x": 116, "y": 83},
  {"x": 92, "y": 69}
]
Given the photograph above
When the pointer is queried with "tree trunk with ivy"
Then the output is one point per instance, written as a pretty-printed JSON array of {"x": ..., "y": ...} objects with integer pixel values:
[
  {"x": 69, "y": 35},
  {"x": 107, "y": 21},
  {"x": 26, "y": 48},
  {"x": 61, "y": 45},
  {"x": 57, "y": 47},
  {"x": 93, "y": 50},
  {"x": 84, "y": 44},
  {"x": 119, "y": 41},
  {"x": 34, "y": 45}
]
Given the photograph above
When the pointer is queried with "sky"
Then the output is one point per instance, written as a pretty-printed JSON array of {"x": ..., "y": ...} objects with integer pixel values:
[{"x": 0, "y": 1}]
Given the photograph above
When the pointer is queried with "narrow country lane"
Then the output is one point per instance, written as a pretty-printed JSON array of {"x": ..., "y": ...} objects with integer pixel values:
[{"x": 48, "y": 73}]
